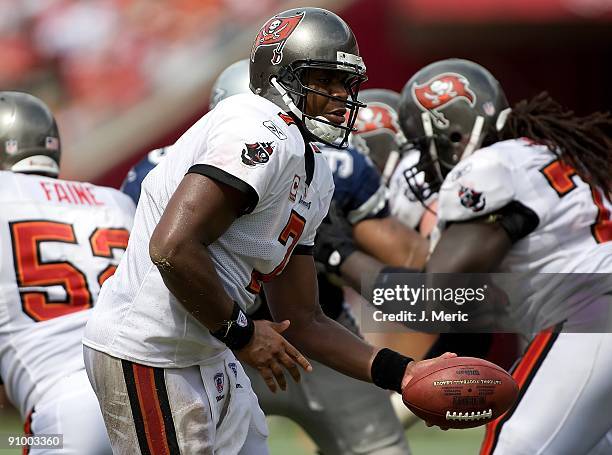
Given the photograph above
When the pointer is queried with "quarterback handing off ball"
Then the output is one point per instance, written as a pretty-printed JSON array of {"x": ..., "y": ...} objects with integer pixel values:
[{"x": 462, "y": 392}]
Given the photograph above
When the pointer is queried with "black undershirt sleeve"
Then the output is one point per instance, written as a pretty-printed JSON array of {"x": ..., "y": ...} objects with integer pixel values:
[
  {"x": 304, "y": 250},
  {"x": 228, "y": 179},
  {"x": 517, "y": 220}
]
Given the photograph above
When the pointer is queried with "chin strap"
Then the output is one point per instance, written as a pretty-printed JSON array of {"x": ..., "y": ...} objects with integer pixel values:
[
  {"x": 390, "y": 165},
  {"x": 476, "y": 135},
  {"x": 394, "y": 157},
  {"x": 316, "y": 126},
  {"x": 501, "y": 118},
  {"x": 475, "y": 138},
  {"x": 433, "y": 151},
  {"x": 322, "y": 130}
]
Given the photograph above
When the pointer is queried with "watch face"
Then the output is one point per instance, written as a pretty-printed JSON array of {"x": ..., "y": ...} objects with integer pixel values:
[
  {"x": 334, "y": 259},
  {"x": 241, "y": 320}
]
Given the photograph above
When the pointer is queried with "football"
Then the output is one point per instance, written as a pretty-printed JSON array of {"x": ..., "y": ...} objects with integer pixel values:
[{"x": 461, "y": 392}]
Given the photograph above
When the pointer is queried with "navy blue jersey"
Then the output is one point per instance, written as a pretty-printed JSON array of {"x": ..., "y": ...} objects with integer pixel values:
[
  {"x": 359, "y": 191},
  {"x": 135, "y": 176}
]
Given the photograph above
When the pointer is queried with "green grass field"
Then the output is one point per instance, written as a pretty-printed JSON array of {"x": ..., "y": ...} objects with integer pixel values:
[{"x": 287, "y": 438}]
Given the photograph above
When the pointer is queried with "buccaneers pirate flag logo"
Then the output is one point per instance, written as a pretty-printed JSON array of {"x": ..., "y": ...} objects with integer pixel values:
[
  {"x": 471, "y": 199},
  {"x": 257, "y": 153},
  {"x": 275, "y": 32},
  {"x": 374, "y": 117},
  {"x": 440, "y": 91}
]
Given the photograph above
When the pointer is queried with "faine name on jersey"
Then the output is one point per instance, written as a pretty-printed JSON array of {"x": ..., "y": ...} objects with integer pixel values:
[{"x": 70, "y": 192}]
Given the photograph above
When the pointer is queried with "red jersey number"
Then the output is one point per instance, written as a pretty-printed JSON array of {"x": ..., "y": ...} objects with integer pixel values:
[
  {"x": 102, "y": 242},
  {"x": 560, "y": 176},
  {"x": 31, "y": 271},
  {"x": 292, "y": 230}
]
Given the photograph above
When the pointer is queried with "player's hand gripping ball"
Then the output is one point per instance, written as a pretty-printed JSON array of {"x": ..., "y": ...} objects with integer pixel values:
[{"x": 460, "y": 392}]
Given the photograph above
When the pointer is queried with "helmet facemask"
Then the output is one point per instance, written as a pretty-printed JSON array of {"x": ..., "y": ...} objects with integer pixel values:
[
  {"x": 440, "y": 153},
  {"x": 424, "y": 178},
  {"x": 291, "y": 84}
]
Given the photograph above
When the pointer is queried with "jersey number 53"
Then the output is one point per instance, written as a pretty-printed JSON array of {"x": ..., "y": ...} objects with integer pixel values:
[{"x": 33, "y": 275}]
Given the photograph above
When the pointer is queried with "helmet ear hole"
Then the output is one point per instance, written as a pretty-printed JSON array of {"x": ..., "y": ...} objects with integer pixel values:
[
  {"x": 287, "y": 76},
  {"x": 455, "y": 136}
]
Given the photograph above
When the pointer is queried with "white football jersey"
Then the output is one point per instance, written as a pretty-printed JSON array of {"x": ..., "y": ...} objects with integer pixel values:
[
  {"x": 573, "y": 232},
  {"x": 245, "y": 142},
  {"x": 59, "y": 241}
]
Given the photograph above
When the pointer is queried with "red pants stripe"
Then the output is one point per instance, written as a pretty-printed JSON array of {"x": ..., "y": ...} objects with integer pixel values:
[
  {"x": 523, "y": 374},
  {"x": 150, "y": 409},
  {"x": 27, "y": 431}
]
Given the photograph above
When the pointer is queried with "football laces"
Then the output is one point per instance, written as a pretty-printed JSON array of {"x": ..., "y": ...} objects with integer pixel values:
[{"x": 467, "y": 416}]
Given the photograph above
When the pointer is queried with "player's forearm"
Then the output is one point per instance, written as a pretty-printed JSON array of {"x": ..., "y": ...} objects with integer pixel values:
[
  {"x": 470, "y": 247},
  {"x": 391, "y": 242},
  {"x": 190, "y": 275},
  {"x": 292, "y": 296},
  {"x": 357, "y": 265},
  {"x": 326, "y": 341}
]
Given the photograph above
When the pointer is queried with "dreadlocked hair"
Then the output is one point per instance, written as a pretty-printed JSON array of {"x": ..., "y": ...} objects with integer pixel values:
[{"x": 582, "y": 142}]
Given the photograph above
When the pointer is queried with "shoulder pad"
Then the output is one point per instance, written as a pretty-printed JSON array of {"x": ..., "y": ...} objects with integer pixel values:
[{"x": 481, "y": 184}]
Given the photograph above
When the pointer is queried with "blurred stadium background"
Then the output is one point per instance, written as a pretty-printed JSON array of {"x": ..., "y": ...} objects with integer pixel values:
[{"x": 126, "y": 76}]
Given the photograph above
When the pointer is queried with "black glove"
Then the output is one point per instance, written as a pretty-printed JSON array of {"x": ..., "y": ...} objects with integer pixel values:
[{"x": 334, "y": 240}]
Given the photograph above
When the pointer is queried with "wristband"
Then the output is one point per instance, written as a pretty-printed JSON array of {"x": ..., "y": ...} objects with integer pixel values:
[
  {"x": 334, "y": 241},
  {"x": 388, "y": 369},
  {"x": 237, "y": 331}
]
